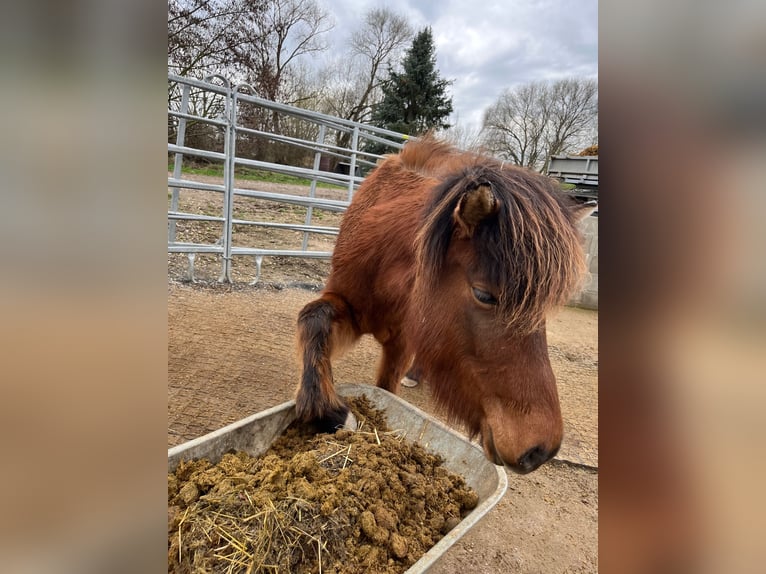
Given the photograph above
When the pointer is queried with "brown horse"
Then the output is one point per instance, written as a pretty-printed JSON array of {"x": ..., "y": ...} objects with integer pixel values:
[{"x": 451, "y": 259}]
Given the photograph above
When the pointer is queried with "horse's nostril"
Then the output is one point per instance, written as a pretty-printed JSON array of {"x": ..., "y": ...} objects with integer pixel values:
[{"x": 533, "y": 458}]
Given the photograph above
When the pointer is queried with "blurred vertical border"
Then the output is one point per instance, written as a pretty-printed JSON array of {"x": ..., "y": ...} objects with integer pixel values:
[
  {"x": 682, "y": 309},
  {"x": 82, "y": 286}
]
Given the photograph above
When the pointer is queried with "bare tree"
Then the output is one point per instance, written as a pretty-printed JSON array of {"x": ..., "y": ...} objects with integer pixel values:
[
  {"x": 247, "y": 40},
  {"x": 573, "y": 105},
  {"x": 355, "y": 79},
  {"x": 289, "y": 29},
  {"x": 514, "y": 126},
  {"x": 534, "y": 121},
  {"x": 381, "y": 39},
  {"x": 209, "y": 36},
  {"x": 465, "y": 137}
]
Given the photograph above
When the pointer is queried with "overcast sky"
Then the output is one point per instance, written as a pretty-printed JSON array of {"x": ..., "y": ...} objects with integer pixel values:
[{"x": 488, "y": 46}]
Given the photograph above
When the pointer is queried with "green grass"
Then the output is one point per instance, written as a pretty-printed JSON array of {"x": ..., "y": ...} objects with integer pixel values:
[{"x": 216, "y": 170}]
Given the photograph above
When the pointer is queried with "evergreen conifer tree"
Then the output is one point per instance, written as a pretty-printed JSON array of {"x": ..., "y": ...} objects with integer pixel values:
[{"x": 415, "y": 99}]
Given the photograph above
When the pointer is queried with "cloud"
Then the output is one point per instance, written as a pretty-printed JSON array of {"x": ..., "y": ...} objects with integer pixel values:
[{"x": 488, "y": 48}]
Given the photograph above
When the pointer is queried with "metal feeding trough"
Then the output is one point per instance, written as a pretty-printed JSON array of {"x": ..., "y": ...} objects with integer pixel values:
[{"x": 255, "y": 434}]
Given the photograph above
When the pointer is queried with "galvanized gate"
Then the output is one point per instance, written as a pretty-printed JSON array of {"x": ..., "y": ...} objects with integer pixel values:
[{"x": 227, "y": 111}]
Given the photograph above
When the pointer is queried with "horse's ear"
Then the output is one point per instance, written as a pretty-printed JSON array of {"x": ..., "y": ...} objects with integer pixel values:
[
  {"x": 474, "y": 206},
  {"x": 583, "y": 210}
]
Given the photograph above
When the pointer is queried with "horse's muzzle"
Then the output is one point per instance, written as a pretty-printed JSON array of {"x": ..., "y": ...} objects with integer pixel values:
[
  {"x": 532, "y": 459},
  {"x": 526, "y": 463}
]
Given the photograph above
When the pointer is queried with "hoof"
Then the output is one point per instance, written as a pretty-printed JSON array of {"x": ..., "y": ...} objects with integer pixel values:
[
  {"x": 409, "y": 383},
  {"x": 340, "y": 418}
]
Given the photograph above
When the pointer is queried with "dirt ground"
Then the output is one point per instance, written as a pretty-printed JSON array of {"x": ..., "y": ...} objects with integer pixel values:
[{"x": 231, "y": 353}]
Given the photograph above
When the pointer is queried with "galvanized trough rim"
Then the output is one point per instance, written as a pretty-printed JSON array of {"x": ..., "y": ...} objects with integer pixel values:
[{"x": 490, "y": 481}]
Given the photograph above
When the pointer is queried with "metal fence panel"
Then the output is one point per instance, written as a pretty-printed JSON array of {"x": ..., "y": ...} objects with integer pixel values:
[{"x": 220, "y": 111}]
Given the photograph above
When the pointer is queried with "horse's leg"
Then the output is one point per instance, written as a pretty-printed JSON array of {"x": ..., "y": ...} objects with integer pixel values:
[
  {"x": 393, "y": 364},
  {"x": 414, "y": 372},
  {"x": 326, "y": 327}
]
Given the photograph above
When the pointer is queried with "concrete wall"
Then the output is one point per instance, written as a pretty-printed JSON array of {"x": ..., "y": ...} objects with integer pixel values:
[{"x": 588, "y": 295}]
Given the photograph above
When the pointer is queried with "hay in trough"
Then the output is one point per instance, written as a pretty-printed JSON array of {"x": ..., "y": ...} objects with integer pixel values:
[{"x": 353, "y": 502}]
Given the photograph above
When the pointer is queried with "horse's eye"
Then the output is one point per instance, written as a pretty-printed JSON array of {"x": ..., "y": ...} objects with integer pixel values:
[{"x": 484, "y": 297}]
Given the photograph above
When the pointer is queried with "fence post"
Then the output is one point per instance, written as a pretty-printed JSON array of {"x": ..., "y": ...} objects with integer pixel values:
[
  {"x": 228, "y": 182},
  {"x": 352, "y": 162},
  {"x": 313, "y": 188},
  {"x": 178, "y": 160}
]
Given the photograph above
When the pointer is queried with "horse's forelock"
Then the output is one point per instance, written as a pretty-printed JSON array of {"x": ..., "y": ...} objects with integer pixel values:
[
  {"x": 530, "y": 250},
  {"x": 436, "y": 231},
  {"x": 537, "y": 258}
]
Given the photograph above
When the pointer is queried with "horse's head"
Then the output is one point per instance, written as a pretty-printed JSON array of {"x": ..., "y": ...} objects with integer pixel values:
[{"x": 498, "y": 248}]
